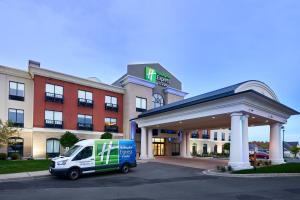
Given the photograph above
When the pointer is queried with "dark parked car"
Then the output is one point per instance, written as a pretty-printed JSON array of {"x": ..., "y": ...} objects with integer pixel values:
[{"x": 259, "y": 155}]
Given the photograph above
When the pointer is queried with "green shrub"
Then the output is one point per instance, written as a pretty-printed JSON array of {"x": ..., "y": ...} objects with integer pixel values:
[
  {"x": 3, "y": 156},
  {"x": 106, "y": 135},
  {"x": 15, "y": 156},
  {"x": 68, "y": 139},
  {"x": 219, "y": 167}
]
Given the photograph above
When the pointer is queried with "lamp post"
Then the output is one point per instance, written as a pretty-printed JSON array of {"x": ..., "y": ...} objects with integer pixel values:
[{"x": 283, "y": 130}]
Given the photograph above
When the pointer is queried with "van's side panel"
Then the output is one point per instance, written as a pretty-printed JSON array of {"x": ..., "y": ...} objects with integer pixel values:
[
  {"x": 127, "y": 152},
  {"x": 106, "y": 154}
]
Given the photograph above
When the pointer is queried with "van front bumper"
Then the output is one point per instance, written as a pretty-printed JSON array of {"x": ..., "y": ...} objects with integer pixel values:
[{"x": 58, "y": 172}]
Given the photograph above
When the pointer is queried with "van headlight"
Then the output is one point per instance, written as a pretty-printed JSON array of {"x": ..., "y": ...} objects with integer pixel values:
[{"x": 62, "y": 162}]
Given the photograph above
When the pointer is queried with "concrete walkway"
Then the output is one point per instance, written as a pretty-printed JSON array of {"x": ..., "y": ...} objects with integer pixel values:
[
  {"x": 5, "y": 177},
  {"x": 199, "y": 163}
]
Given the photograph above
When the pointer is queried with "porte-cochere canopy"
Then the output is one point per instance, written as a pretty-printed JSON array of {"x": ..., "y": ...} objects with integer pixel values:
[{"x": 250, "y": 103}]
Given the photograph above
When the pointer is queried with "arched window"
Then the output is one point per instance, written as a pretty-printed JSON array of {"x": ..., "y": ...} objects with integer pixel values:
[
  {"x": 157, "y": 100},
  {"x": 53, "y": 147},
  {"x": 15, "y": 145}
]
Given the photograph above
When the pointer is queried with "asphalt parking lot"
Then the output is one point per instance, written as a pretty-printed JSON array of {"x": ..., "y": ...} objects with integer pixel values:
[{"x": 152, "y": 181}]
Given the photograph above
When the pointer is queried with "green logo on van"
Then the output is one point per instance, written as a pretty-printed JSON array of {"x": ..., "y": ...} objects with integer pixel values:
[{"x": 106, "y": 152}]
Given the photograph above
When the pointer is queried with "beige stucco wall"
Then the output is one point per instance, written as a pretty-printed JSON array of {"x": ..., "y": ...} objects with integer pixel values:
[
  {"x": 170, "y": 98},
  {"x": 133, "y": 91},
  {"x": 40, "y": 140},
  {"x": 9, "y": 74}
]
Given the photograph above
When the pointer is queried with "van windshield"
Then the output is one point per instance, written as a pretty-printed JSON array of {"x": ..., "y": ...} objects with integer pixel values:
[{"x": 71, "y": 151}]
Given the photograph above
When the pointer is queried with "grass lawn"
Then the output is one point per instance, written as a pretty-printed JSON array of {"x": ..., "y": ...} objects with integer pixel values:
[
  {"x": 283, "y": 168},
  {"x": 15, "y": 166}
]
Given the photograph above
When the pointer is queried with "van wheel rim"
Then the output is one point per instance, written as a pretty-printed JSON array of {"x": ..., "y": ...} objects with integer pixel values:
[{"x": 74, "y": 174}]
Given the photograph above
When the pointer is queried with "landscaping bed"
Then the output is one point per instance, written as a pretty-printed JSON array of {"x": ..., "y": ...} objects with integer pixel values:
[
  {"x": 283, "y": 168},
  {"x": 16, "y": 166}
]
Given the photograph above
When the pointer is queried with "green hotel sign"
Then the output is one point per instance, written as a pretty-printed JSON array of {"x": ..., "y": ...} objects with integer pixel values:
[{"x": 158, "y": 77}]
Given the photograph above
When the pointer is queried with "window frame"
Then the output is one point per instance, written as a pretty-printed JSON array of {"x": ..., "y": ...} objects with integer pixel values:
[
  {"x": 85, "y": 126},
  {"x": 109, "y": 105},
  {"x": 140, "y": 109},
  {"x": 54, "y": 97},
  {"x": 16, "y": 123},
  {"x": 16, "y": 96},
  {"x": 52, "y": 154},
  {"x": 84, "y": 101},
  {"x": 154, "y": 102},
  {"x": 54, "y": 121}
]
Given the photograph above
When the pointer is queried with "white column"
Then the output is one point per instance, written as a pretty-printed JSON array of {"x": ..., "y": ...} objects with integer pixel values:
[
  {"x": 183, "y": 145},
  {"x": 143, "y": 143},
  {"x": 236, "y": 151},
  {"x": 150, "y": 146},
  {"x": 188, "y": 144},
  {"x": 276, "y": 153},
  {"x": 245, "y": 141}
]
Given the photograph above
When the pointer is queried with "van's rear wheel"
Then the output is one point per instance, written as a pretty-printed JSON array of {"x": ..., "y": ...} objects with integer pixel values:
[
  {"x": 73, "y": 173},
  {"x": 125, "y": 169}
]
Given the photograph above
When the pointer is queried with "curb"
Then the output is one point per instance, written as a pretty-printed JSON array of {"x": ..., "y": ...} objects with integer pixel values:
[
  {"x": 36, "y": 174},
  {"x": 5, "y": 177},
  {"x": 215, "y": 173}
]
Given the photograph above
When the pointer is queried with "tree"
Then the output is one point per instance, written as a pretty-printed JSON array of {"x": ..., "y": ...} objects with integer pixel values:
[
  {"x": 294, "y": 150},
  {"x": 226, "y": 147},
  {"x": 106, "y": 135},
  {"x": 6, "y": 131},
  {"x": 68, "y": 139}
]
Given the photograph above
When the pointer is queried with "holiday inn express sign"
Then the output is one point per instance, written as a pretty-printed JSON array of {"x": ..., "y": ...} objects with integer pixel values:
[{"x": 158, "y": 77}]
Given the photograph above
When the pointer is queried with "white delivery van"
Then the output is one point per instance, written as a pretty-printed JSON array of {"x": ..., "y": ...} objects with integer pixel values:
[{"x": 92, "y": 155}]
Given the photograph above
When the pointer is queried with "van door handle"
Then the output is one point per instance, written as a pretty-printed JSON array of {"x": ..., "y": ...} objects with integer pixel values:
[{"x": 92, "y": 159}]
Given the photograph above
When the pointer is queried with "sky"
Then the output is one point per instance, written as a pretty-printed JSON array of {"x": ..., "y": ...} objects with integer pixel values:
[{"x": 205, "y": 44}]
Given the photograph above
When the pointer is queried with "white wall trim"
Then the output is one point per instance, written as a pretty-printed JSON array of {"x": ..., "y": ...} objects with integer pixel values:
[
  {"x": 62, "y": 131},
  {"x": 14, "y": 72},
  {"x": 175, "y": 91},
  {"x": 135, "y": 80},
  {"x": 74, "y": 79}
]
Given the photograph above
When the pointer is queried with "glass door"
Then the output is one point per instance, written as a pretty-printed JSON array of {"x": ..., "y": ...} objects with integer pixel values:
[{"x": 158, "y": 146}]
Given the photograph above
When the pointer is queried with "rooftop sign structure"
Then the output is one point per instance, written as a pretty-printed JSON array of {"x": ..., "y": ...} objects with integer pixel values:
[{"x": 158, "y": 77}]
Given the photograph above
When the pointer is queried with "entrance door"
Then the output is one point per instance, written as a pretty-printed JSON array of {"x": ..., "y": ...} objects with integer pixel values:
[
  {"x": 158, "y": 146},
  {"x": 175, "y": 149}
]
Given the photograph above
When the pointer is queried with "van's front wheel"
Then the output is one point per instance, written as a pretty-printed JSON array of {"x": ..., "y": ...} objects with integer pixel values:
[
  {"x": 73, "y": 173},
  {"x": 125, "y": 169}
]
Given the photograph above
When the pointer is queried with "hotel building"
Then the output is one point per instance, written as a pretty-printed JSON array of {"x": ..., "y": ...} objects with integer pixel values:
[{"x": 147, "y": 105}]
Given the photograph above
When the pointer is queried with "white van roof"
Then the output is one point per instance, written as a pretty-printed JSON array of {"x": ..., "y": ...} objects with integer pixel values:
[{"x": 92, "y": 141}]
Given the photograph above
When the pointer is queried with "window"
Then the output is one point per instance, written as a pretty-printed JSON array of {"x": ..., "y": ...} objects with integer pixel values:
[
  {"x": 15, "y": 145},
  {"x": 215, "y": 135},
  {"x": 16, "y": 91},
  {"x": 53, "y": 119},
  {"x": 157, "y": 100},
  {"x": 111, "y": 103},
  {"x": 111, "y": 125},
  {"x": 85, "y": 98},
  {"x": 85, "y": 122},
  {"x": 195, "y": 134},
  {"x": 52, "y": 148},
  {"x": 223, "y": 136},
  {"x": 141, "y": 104},
  {"x": 16, "y": 117},
  {"x": 54, "y": 93},
  {"x": 84, "y": 153},
  {"x": 205, "y": 134}
]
